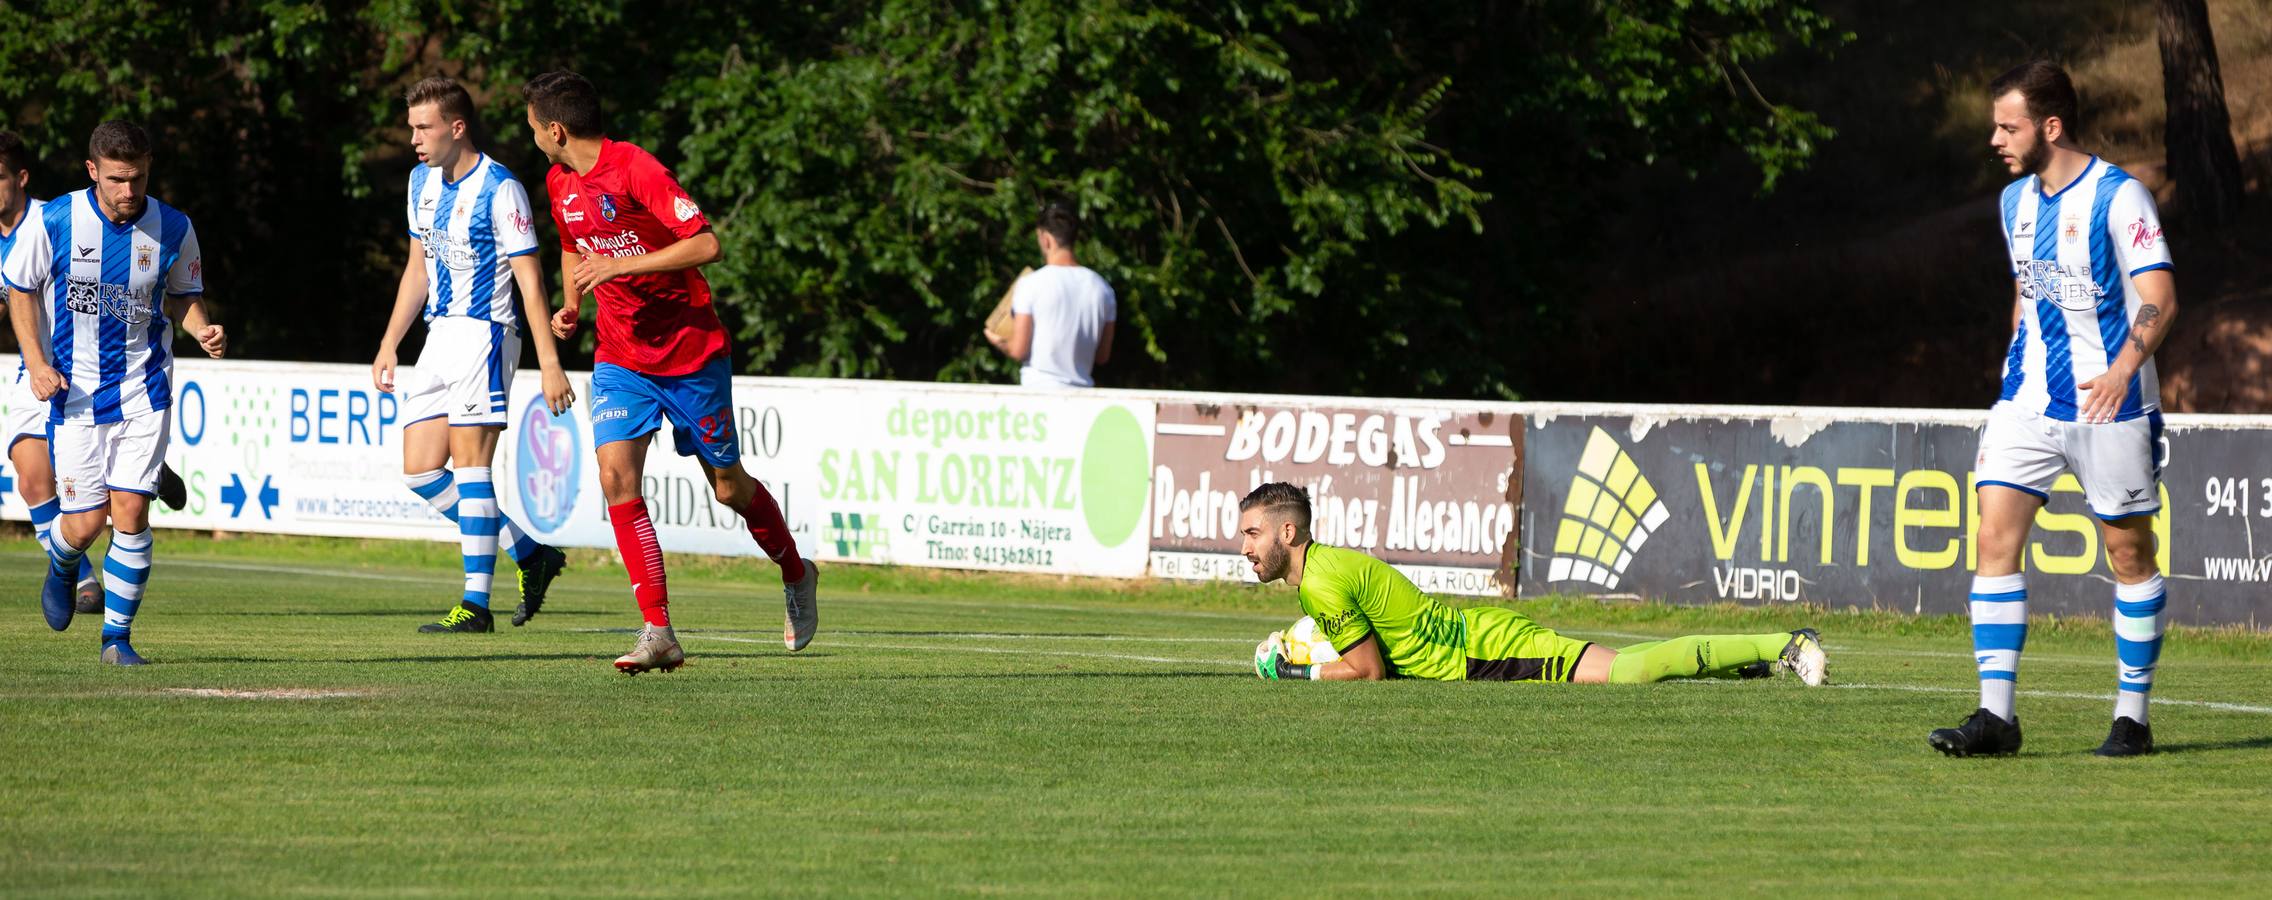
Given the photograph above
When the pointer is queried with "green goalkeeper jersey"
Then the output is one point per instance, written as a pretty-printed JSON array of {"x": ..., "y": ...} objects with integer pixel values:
[{"x": 1352, "y": 595}]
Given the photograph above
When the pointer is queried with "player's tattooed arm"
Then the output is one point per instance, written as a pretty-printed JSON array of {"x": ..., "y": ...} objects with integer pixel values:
[
  {"x": 2157, "y": 308},
  {"x": 2149, "y": 316},
  {"x": 2103, "y": 396}
]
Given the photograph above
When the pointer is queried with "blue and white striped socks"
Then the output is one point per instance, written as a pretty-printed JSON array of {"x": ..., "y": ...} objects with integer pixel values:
[
  {"x": 43, "y": 518},
  {"x": 2137, "y": 643},
  {"x": 125, "y": 572},
  {"x": 1999, "y": 631},
  {"x": 477, "y": 532},
  {"x": 438, "y": 488}
]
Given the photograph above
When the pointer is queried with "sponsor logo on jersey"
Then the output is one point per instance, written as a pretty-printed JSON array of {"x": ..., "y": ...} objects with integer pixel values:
[
  {"x": 95, "y": 297},
  {"x": 197, "y": 270},
  {"x": 2024, "y": 232},
  {"x": 453, "y": 251},
  {"x": 568, "y": 212},
  {"x": 520, "y": 221},
  {"x": 2070, "y": 287},
  {"x": 607, "y": 207},
  {"x": 625, "y": 244},
  {"x": 86, "y": 254},
  {"x": 685, "y": 208},
  {"x": 2144, "y": 234}
]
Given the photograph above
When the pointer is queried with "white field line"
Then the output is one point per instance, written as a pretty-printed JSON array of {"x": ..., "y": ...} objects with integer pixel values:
[
  {"x": 1833, "y": 646},
  {"x": 1911, "y": 688},
  {"x": 275, "y": 694},
  {"x": 2060, "y": 695},
  {"x": 1013, "y": 651},
  {"x": 448, "y": 578}
]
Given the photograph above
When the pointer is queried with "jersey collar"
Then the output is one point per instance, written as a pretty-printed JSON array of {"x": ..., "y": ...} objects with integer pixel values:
[
  {"x": 2079, "y": 176},
  {"x": 148, "y": 204},
  {"x": 479, "y": 160}
]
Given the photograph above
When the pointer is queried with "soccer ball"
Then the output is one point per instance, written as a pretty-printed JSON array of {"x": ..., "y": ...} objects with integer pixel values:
[{"x": 1306, "y": 646}]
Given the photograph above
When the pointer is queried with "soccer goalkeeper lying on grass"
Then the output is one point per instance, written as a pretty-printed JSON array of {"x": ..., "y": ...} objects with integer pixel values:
[{"x": 1382, "y": 626}]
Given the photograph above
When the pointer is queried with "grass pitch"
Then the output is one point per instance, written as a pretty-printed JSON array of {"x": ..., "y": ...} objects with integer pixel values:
[{"x": 966, "y": 734}]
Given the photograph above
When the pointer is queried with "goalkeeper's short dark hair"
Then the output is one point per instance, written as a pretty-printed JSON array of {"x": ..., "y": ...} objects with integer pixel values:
[{"x": 1279, "y": 498}]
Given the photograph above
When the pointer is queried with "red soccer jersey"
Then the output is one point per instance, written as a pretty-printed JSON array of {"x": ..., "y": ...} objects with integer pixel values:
[{"x": 630, "y": 205}]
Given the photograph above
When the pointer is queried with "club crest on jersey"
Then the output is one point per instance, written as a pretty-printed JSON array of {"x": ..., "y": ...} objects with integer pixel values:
[
  {"x": 2072, "y": 230},
  {"x": 70, "y": 488},
  {"x": 142, "y": 258},
  {"x": 685, "y": 208},
  {"x": 607, "y": 207}
]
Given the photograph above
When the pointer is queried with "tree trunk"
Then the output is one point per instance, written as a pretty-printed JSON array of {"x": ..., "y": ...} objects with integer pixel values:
[{"x": 2198, "y": 135}]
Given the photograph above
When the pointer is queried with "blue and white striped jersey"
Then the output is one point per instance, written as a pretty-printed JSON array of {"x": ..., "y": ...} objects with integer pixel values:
[
  {"x": 2074, "y": 254},
  {"x": 470, "y": 230},
  {"x": 105, "y": 285},
  {"x": 7, "y": 243}
]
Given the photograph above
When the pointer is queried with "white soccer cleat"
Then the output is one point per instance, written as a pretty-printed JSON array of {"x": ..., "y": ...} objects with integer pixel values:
[
  {"x": 1803, "y": 657},
  {"x": 803, "y": 617},
  {"x": 657, "y": 650}
]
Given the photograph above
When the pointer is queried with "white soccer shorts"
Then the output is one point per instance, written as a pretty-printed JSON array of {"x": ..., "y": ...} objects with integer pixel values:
[
  {"x": 464, "y": 372},
  {"x": 2119, "y": 464},
  {"x": 26, "y": 415},
  {"x": 92, "y": 460}
]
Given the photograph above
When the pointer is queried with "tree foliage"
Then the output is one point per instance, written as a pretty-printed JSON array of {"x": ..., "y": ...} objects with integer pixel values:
[{"x": 1315, "y": 195}]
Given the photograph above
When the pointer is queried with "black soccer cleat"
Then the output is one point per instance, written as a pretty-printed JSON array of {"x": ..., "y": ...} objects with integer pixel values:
[
  {"x": 171, "y": 491},
  {"x": 1983, "y": 734},
  {"x": 2129, "y": 738},
  {"x": 536, "y": 578},
  {"x": 462, "y": 619},
  {"x": 90, "y": 597}
]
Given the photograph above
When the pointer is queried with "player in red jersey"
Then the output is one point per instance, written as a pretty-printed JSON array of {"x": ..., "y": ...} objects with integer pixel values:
[{"x": 632, "y": 238}]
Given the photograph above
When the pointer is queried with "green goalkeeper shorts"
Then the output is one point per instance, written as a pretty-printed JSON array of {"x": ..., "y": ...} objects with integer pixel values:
[{"x": 1505, "y": 645}]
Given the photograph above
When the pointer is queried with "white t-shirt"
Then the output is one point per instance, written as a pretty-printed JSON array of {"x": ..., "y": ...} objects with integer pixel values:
[{"x": 1070, "y": 306}]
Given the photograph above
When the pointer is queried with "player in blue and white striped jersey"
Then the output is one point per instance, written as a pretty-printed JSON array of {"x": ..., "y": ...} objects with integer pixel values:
[
  {"x": 112, "y": 269},
  {"x": 2093, "y": 297},
  {"x": 472, "y": 250},
  {"x": 25, "y": 423}
]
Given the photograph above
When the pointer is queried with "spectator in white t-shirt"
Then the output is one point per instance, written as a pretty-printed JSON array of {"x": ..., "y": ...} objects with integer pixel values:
[{"x": 1063, "y": 312}]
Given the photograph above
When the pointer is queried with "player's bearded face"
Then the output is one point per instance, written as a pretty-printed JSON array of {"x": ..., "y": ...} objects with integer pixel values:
[
  {"x": 1271, "y": 563},
  {"x": 1259, "y": 543},
  {"x": 121, "y": 186},
  {"x": 2037, "y": 154}
]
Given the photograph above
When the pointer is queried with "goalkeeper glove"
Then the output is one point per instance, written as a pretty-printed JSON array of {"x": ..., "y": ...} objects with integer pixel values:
[{"x": 1270, "y": 661}]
